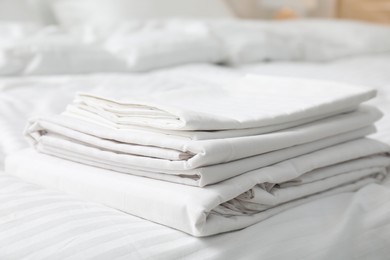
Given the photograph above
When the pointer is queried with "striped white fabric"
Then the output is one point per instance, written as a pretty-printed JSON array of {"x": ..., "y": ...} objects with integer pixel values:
[{"x": 37, "y": 223}]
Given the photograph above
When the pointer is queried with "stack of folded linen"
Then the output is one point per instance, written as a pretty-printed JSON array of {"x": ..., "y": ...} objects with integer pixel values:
[{"x": 245, "y": 151}]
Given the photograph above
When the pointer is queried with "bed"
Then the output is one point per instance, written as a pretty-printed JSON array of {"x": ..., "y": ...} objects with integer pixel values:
[{"x": 41, "y": 223}]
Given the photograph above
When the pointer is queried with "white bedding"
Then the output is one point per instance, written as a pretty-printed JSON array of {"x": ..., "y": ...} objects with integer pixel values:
[
  {"x": 229, "y": 205},
  {"x": 345, "y": 225},
  {"x": 134, "y": 46},
  {"x": 300, "y": 40},
  {"x": 250, "y": 102},
  {"x": 50, "y": 224},
  {"x": 250, "y": 193},
  {"x": 365, "y": 70},
  {"x": 197, "y": 169},
  {"x": 155, "y": 154}
]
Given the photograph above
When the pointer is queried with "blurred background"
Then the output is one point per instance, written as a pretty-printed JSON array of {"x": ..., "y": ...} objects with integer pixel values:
[{"x": 45, "y": 11}]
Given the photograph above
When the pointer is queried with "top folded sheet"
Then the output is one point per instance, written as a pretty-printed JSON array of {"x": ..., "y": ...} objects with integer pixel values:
[{"x": 251, "y": 102}]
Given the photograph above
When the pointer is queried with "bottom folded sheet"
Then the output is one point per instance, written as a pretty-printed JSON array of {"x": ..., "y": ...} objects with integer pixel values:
[{"x": 229, "y": 205}]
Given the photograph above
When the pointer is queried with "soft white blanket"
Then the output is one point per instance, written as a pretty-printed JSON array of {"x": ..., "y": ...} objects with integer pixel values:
[
  {"x": 194, "y": 162},
  {"x": 232, "y": 204}
]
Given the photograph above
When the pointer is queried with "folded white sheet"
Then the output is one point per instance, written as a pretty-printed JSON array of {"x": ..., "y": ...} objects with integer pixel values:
[
  {"x": 232, "y": 204},
  {"x": 199, "y": 162},
  {"x": 250, "y": 102}
]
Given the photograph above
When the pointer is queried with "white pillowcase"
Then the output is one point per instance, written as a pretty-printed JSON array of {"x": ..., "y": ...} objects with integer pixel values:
[
  {"x": 53, "y": 51},
  {"x": 70, "y": 13},
  {"x": 158, "y": 44},
  {"x": 10, "y": 34},
  {"x": 130, "y": 47},
  {"x": 146, "y": 45}
]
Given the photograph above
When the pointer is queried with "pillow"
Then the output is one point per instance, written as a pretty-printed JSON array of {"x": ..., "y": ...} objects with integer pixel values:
[
  {"x": 10, "y": 34},
  {"x": 133, "y": 46},
  {"x": 52, "y": 51},
  {"x": 158, "y": 44},
  {"x": 77, "y": 13},
  {"x": 70, "y": 13}
]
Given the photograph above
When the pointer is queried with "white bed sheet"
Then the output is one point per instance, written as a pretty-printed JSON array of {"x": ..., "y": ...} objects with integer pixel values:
[
  {"x": 38, "y": 223},
  {"x": 18, "y": 96},
  {"x": 208, "y": 159},
  {"x": 349, "y": 225},
  {"x": 371, "y": 70},
  {"x": 218, "y": 208}
]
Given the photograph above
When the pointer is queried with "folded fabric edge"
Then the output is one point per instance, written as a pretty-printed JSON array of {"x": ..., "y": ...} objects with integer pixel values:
[{"x": 149, "y": 199}]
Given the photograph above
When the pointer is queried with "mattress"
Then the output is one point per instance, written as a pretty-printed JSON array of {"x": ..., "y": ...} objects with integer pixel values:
[{"x": 39, "y": 223}]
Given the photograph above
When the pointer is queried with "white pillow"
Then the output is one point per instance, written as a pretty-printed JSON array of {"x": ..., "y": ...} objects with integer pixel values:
[
  {"x": 159, "y": 44},
  {"x": 70, "y": 13},
  {"x": 11, "y": 33},
  {"x": 133, "y": 46},
  {"x": 52, "y": 51}
]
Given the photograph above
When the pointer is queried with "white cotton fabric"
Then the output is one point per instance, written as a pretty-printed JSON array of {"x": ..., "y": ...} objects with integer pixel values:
[
  {"x": 19, "y": 96},
  {"x": 144, "y": 46},
  {"x": 129, "y": 47},
  {"x": 187, "y": 161},
  {"x": 41, "y": 223},
  {"x": 311, "y": 40},
  {"x": 232, "y": 204},
  {"x": 104, "y": 13},
  {"x": 52, "y": 50},
  {"x": 133, "y": 46},
  {"x": 252, "y": 101},
  {"x": 11, "y": 34}
]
